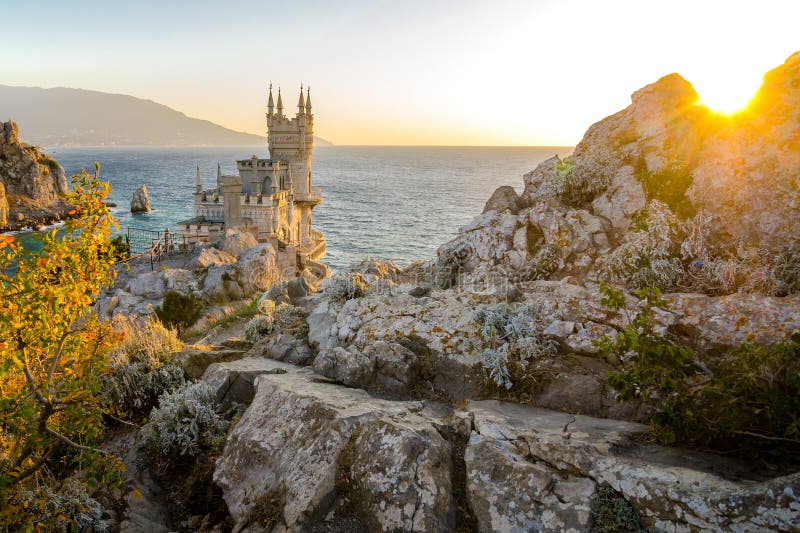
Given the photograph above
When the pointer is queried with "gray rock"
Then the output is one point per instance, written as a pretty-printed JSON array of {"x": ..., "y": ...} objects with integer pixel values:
[
  {"x": 504, "y": 198},
  {"x": 140, "y": 202},
  {"x": 297, "y": 288},
  {"x": 257, "y": 269},
  {"x": 211, "y": 257},
  {"x": 380, "y": 366},
  {"x": 324, "y": 447},
  {"x": 148, "y": 285},
  {"x": 534, "y": 469},
  {"x": 559, "y": 329},
  {"x": 420, "y": 290},
  {"x": 322, "y": 326},
  {"x": 234, "y": 381},
  {"x": 287, "y": 348}
]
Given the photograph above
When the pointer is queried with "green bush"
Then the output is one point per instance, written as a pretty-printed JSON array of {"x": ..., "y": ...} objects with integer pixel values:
[
  {"x": 121, "y": 249},
  {"x": 179, "y": 310},
  {"x": 668, "y": 185},
  {"x": 745, "y": 402}
]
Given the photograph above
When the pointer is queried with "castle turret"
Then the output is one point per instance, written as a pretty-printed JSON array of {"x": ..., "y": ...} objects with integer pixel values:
[
  {"x": 301, "y": 104},
  {"x": 308, "y": 100},
  {"x": 280, "y": 103},
  {"x": 270, "y": 104},
  {"x": 198, "y": 184}
]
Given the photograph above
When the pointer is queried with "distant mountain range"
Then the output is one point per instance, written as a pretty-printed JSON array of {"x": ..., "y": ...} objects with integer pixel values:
[{"x": 77, "y": 117}]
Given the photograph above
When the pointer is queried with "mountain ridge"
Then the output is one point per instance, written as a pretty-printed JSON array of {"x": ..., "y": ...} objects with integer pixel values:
[{"x": 62, "y": 116}]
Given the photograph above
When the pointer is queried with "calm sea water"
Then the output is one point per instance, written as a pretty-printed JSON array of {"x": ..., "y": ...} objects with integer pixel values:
[{"x": 396, "y": 203}]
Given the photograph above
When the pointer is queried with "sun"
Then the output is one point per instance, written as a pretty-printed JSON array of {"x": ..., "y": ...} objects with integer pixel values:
[{"x": 727, "y": 95}]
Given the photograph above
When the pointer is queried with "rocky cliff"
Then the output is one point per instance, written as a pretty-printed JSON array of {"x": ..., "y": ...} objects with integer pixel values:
[
  {"x": 32, "y": 184},
  {"x": 375, "y": 406},
  {"x": 665, "y": 193}
]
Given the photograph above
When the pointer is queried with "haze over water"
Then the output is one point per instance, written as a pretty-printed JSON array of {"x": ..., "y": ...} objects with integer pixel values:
[{"x": 397, "y": 203}]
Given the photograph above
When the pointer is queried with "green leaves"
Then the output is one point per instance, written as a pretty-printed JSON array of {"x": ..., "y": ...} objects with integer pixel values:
[
  {"x": 746, "y": 401},
  {"x": 52, "y": 348}
]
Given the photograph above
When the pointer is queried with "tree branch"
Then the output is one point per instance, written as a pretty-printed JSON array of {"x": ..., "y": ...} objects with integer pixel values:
[
  {"x": 766, "y": 437},
  {"x": 66, "y": 440}
]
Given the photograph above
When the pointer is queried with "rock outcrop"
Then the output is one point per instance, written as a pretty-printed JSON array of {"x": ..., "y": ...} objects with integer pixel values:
[
  {"x": 664, "y": 192},
  {"x": 32, "y": 184},
  {"x": 366, "y": 435},
  {"x": 140, "y": 202}
]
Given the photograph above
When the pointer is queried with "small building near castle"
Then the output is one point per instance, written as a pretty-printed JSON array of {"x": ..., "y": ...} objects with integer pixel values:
[{"x": 272, "y": 198}]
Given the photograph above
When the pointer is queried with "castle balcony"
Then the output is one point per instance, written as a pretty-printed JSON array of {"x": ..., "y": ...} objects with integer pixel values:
[{"x": 314, "y": 197}]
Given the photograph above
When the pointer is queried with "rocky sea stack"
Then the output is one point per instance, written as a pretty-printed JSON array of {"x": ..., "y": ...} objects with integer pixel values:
[
  {"x": 32, "y": 184},
  {"x": 140, "y": 201}
]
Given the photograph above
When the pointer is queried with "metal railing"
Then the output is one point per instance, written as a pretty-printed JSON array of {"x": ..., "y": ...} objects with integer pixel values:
[{"x": 153, "y": 244}]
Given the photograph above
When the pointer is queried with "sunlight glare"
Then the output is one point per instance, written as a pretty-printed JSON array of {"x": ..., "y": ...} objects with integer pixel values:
[{"x": 727, "y": 94}]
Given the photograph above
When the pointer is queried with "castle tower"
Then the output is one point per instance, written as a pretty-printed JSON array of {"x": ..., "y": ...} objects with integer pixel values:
[{"x": 293, "y": 140}]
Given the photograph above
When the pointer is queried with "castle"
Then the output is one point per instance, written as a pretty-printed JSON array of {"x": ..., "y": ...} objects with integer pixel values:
[{"x": 272, "y": 198}]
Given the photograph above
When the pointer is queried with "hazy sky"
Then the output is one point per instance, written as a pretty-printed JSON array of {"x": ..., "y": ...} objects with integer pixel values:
[{"x": 490, "y": 72}]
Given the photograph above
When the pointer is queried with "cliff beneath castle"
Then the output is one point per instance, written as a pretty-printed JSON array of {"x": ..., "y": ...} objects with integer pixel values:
[{"x": 32, "y": 184}]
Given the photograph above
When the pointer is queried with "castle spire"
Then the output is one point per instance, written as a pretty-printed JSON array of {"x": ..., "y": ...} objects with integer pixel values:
[
  {"x": 280, "y": 103},
  {"x": 219, "y": 176},
  {"x": 198, "y": 184},
  {"x": 270, "y": 104},
  {"x": 308, "y": 100},
  {"x": 301, "y": 104}
]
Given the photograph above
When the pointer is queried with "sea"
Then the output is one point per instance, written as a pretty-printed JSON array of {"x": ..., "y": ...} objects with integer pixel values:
[{"x": 397, "y": 203}]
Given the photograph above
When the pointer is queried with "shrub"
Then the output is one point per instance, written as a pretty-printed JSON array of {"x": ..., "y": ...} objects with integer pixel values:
[
  {"x": 745, "y": 402},
  {"x": 258, "y": 327},
  {"x": 53, "y": 349},
  {"x": 668, "y": 185},
  {"x": 132, "y": 390},
  {"x": 346, "y": 286},
  {"x": 185, "y": 421},
  {"x": 786, "y": 270},
  {"x": 577, "y": 184},
  {"x": 143, "y": 340},
  {"x": 649, "y": 255},
  {"x": 612, "y": 513},
  {"x": 291, "y": 319},
  {"x": 64, "y": 509},
  {"x": 450, "y": 260},
  {"x": 513, "y": 344},
  {"x": 179, "y": 310},
  {"x": 121, "y": 249},
  {"x": 140, "y": 368}
]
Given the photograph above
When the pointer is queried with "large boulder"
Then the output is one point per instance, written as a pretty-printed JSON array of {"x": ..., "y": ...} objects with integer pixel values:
[
  {"x": 236, "y": 241},
  {"x": 257, "y": 268},
  {"x": 331, "y": 453},
  {"x": 211, "y": 257},
  {"x": 140, "y": 202},
  {"x": 504, "y": 198},
  {"x": 532, "y": 469},
  {"x": 381, "y": 366}
]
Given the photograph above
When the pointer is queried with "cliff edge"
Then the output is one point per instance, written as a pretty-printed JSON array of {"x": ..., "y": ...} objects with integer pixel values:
[{"x": 32, "y": 184}]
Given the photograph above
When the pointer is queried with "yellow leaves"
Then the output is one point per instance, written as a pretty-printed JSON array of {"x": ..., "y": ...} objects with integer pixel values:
[{"x": 6, "y": 240}]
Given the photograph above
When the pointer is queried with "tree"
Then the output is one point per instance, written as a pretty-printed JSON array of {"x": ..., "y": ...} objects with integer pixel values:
[{"x": 53, "y": 349}]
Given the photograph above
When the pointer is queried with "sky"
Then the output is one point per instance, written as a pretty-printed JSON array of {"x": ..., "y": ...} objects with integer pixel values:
[{"x": 435, "y": 72}]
